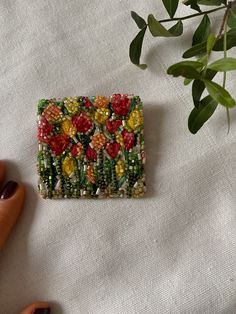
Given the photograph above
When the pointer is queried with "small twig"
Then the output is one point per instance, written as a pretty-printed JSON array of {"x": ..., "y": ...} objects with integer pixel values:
[
  {"x": 224, "y": 20},
  {"x": 228, "y": 7},
  {"x": 194, "y": 15}
]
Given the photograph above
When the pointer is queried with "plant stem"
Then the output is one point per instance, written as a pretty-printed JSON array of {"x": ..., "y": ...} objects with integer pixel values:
[
  {"x": 224, "y": 21},
  {"x": 193, "y": 15},
  {"x": 225, "y": 56}
]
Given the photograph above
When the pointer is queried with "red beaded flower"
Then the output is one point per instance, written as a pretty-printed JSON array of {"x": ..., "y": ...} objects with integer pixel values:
[
  {"x": 59, "y": 143},
  {"x": 87, "y": 102},
  {"x": 91, "y": 153},
  {"x": 82, "y": 122},
  {"x": 120, "y": 104},
  {"x": 76, "y": 150},
  {"x": 113, "y": 149},
  {"x": 129, "y": 139},
  {"x": 113, "y": 125},
  {"x": 44, "y": 130}
]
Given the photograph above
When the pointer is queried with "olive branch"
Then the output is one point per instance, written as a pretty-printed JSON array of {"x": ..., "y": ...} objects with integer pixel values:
[{"x": 199, "y": 72}]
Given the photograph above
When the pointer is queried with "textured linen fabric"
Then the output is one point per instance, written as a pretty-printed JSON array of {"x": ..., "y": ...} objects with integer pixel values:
[{"x": 172, "y": 252}]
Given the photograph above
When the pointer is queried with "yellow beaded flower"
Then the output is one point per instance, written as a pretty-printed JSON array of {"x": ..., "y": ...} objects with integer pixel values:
[
  {"x": 135, "y": 120},
  {"x": 98, "y": 140},
  {"x": 101, "y": 115},
  {"x": 138, "y": 189},
  {"x": 72, "y": 105},
  {"x": 68, "y": 128},
  {"x": 68, "y": 166},
  {"x": 90, "y": 174},
  {"x": 120, "y": 140},
  {"x": 120, "y": 168},
  {"x": 101, "y": 102}
]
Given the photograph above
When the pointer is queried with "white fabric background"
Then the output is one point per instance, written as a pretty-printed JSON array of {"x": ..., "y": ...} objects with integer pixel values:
[{"x": 172, "y": 252}]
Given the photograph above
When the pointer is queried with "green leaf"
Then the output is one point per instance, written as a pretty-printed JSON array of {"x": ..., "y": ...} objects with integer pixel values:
[
  {"x": 171, "y": 6},
  {"x": 197, "y": 90},
  {"x": 194, "y": 64},
  {"x": 138, "y": 20},
  {"x": 198, "y": 86},
  {"x": 195, "y": 50},
  {"x": 219, "y": 45},
  {"x": 210, "y": 2},
  {"x": 202, "y": 31},
  {"x": 211, "y": 40},
  {"x": 157, "y": 29},
  {"x": 187, "y": 81},
  {"x": 193, "y": 5},
  {"x": 177, "y": 29},
  {"x": 231, "y": 41},
  {"x": 136, "y": 48},
  {"x": 232, "y": 17},
  {"x": 201, "y": 60},
  {"x": 200, "y": 115},
  {"x": 186, "y": 69},
  {"x": 223, "y": 65},
  {"x": 219, "y": 94},
  {"x": 142, "y": 66}
]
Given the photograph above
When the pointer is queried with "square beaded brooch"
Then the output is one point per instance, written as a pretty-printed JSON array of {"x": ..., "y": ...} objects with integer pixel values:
[{"x": 91, "y": 147}]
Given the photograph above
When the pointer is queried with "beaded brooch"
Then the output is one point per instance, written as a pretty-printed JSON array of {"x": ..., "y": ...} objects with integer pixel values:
[{"x": 91, "y": 147}]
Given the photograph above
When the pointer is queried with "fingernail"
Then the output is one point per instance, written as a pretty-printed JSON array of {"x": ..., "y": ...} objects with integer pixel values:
[
  {"x": 8, "y": 190},
  {"x": 43, "y": 311}
]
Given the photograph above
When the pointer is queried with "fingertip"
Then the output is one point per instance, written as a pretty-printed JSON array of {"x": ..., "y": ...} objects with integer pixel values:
[
  {"x": 36, "y": 307},
  {"x": 11, "y": 206}
]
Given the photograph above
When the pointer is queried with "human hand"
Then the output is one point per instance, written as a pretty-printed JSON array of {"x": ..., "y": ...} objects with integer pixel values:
[{"x": 12, "y": 196}]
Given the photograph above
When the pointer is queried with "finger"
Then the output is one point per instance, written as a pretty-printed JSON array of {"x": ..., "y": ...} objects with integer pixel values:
[
  {"x": 2, "y": 172},
  {"x": 11, "y": 202},
  {"x": 37, "y": 308}
]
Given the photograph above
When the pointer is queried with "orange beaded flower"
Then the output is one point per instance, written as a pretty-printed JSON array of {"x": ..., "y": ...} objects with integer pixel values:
[
  {"x": 52, "y": 113},
  {"x": 98, "y": 140},
  {"x": 90, "y": 174},
  {"x": 101, "y": 102}
]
